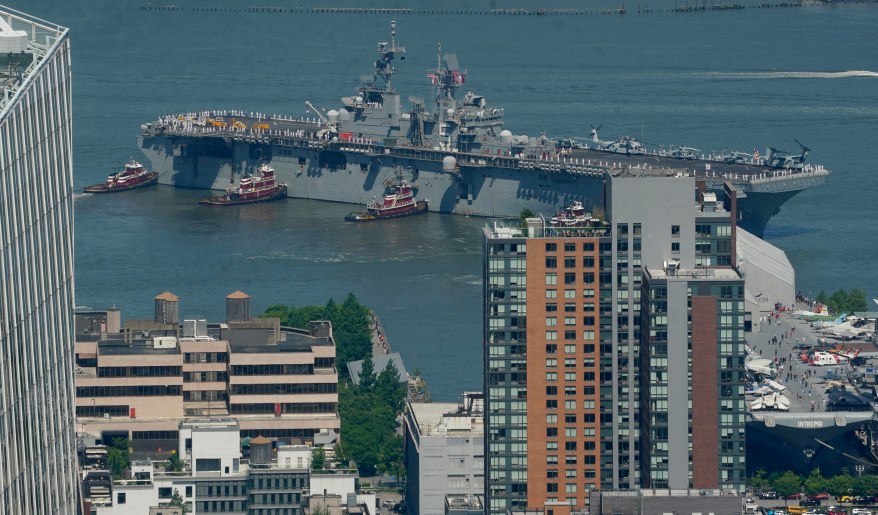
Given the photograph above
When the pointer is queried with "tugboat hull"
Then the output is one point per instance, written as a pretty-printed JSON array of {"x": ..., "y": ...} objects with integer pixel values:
[
  {"x": 419, "y": 207},
  {"x": 153, "y": 178},
  {"x": 234, "y": 199}
]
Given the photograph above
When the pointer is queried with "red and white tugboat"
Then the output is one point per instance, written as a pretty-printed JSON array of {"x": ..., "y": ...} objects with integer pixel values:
[
  {"x": 400, "y": 201},
  {"x": 573, "y": 215},
  {"x": 134, "y": 176},
  {"x": 261, "y": 187}
]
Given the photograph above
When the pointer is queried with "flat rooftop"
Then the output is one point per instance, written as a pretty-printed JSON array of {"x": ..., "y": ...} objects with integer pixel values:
[
  {"x": 707, "y": 274},
  {"x": 24, "y": 41},
  {"x": 436, "y": 419}
]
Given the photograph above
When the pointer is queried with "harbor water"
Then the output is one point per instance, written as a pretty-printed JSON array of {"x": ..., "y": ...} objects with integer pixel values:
[{"x": 740, "y": 79}]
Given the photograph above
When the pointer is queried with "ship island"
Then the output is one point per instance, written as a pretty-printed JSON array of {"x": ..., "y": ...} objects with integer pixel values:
[{"x": 456, "y": 153}]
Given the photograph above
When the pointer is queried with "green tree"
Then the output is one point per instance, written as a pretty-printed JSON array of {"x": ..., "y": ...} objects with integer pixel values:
[
  {"x": 759, "y": 482},
  {"x": 318, "y": 459},
  {"x": 117, "y": 456},
  {"x": 821, "y": 296},
  {"x": 838, "y": 302},
  {"x": 367, "y": 374},
  {"x": 857, "y": 300},
  {"x": 175, "y": 464},
  {"x": 865, "y": 485},
  {"x": 525, "y": 214},
  {"x": 839, "y": 485},
  {"x": 177, "y": 501},
  {"x": 389, "y": 388},
  {"x": 814, "y": 483},
  {"x": 788, "y": 484}
]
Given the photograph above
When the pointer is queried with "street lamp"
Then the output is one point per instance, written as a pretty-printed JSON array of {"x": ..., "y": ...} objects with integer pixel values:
[{"x": 860, "y": 469}]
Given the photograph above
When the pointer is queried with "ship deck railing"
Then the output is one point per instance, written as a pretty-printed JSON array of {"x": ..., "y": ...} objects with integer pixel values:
[{"x": 307, "y": 134}]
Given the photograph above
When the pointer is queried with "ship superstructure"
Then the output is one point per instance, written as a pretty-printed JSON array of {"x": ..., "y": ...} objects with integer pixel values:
[{"x": 455, "y": 151}]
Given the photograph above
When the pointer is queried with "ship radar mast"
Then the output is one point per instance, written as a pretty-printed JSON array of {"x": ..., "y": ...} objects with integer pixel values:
[
  {"x": 447, "y": 76},
  {"x": 386, "y": 53}
]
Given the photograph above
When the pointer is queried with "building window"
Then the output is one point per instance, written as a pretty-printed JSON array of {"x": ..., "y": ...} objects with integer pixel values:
[
  {"x": 675, "y": 247},
  {"x": 569, "y": 294},
  {"x": 551, "y": 432},
  {"x": 569, "y": 262},
  {"x": 569, "y": 335},
  {"x": 551, "y": 307},
  {"x": 551, "y": 487},
  {"x": 551, "y": 474},
  {"x": 551, "y": 262},
  {"x": 120, "y": 498},
  {"x": 675, "y": 230},
  {"x": 570, "y": 278},
  {"x": 551, "y": 294},
  {"x": 588, "y": 247},
  {"x": 569, "y": 247},
  {"x": 551, "y": 247},
  {"x": 551, "y": 349},
  {"x": 551, "y": 321},
  {"x": 551, "y": 278}
]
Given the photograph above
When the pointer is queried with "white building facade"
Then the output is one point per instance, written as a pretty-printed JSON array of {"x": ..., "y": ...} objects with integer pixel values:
[
  {"x": 444, "y": 453},
  {"x": 38, "y": 458}
]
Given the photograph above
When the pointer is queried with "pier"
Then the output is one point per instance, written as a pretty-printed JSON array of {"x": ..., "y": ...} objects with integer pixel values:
[
  {"x": 417, "y": 386},
  {"x": 680, "y": 7}
]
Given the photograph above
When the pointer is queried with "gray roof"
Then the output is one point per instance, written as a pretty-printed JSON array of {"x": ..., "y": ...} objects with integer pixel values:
[
  {"x": 354, "y": 367},
  {"x": 759, "y": 253}
]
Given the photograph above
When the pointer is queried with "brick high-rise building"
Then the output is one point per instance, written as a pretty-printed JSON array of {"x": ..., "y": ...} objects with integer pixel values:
[{"x": 571, "y": 404}]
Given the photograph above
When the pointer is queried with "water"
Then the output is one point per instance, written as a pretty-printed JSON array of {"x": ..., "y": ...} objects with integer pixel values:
[{"x": 718, "y": 80}]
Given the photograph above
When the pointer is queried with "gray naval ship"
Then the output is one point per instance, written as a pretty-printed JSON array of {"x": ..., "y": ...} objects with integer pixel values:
[{"x": 456, "y": 153}]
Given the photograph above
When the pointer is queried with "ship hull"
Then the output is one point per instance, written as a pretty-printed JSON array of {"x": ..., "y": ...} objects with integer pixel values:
[
  {"x": 478, "y": 185},
  {"x": 802, "y": 441}
]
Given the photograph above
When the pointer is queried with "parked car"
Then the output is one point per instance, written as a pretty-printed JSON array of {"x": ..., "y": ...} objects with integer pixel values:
[
  {"x": 809, "y": 502},
  {"x": 795, "y": 496},
  {"x": 846, "y": 498},
  {"x": 835, "y": 510},
  {"x": 861, "y": 511},
  {"x": 822, "y": 496},
  {"x": 768, "y": 495}
]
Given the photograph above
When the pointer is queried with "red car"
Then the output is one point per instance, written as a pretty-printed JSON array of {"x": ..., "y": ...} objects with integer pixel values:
[
  {"x": 795, "y": 496},
  {"x": 822, "y": 496}
]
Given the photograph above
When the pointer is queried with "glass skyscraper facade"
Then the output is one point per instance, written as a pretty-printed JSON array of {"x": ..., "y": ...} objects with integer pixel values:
[{"x": 37, "y": 439}]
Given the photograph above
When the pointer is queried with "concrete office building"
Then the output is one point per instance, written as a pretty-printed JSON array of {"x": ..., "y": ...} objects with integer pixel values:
[
  {"x": 217, "y": 479},
  {"x": 565, "y": 370},
  {"x": 37, "y": 460},
  {"x": 137, "y": 380},
  {"x": 444, "y": 454}
]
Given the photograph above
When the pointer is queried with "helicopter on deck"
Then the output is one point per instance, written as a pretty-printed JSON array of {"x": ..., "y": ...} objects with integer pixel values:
[
  {"x": 781, "y": 159},
  {"x": 625, "y": 145},
  {"x": 734, "y": 157},
  {"x": 681, "y": 152}
]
